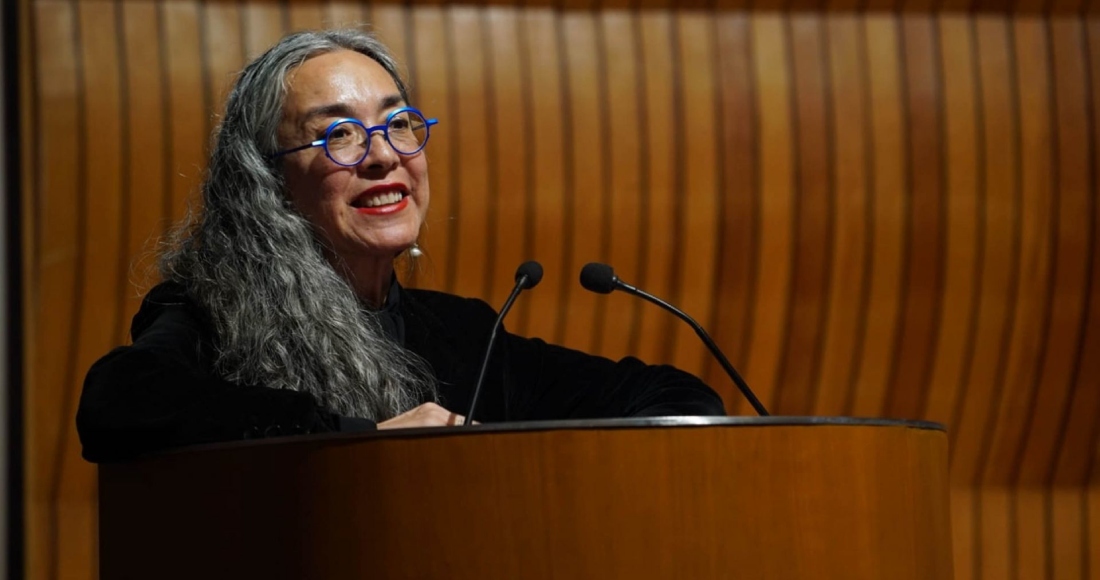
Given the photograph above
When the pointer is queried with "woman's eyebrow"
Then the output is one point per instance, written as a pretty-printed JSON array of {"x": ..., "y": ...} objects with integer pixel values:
[
  {"x": 329, "y": 110},
  {"x": 345, "y": 110},
  {"x": 391, "y": 101}
]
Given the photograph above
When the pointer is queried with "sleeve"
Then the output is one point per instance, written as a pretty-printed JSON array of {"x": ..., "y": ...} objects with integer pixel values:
[
  {"x": 161, "y": 393},
  {"x": 556, "y": 382}
]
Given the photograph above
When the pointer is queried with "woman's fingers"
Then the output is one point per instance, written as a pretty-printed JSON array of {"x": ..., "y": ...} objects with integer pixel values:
[{"x": 426, "y": 415}]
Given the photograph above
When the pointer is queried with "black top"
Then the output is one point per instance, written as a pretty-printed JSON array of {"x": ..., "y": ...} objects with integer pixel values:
[{"x": 163, "y": 392}]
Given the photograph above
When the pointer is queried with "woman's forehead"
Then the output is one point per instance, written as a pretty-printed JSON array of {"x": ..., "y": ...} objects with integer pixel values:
[{"x": 342, "y": 77}]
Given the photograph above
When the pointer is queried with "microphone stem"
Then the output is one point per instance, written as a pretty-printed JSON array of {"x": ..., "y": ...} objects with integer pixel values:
[
  {"x": 732, "y": 372},
  {"x": 489, "y": 353}
]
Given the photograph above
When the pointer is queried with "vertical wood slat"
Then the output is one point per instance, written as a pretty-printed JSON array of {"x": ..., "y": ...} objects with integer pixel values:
[
  {"x": 1069, "y": 544},
  {"x": 146, "y": 160},
  {"x": 655, "y": 30},
  {"x": 98, "y": 266},
  {"x": 812, "y": 217},
  {"x": 305, "y": 16},
  {"x": 850, "y": 249},
  {"x": 963, "y": 532},
  {"x": 185, "y": 90},
  {"x": 1030, "y": 554},
  {"x": 1072, "y": 254},
  {"x": 507, "y": 120},
  {"x": 1075, "y": 454},
  {"x": 472, "y": 197},
  {"x": 697, "y": 192},
  {"x": 262, "y": 25},
  {"x": 56, "y": 216},
  {"x": 623, "y": 108},
  {"x": 770, "y": 51},
  {"x": 923, "y": 255},
  {"x": 997, "y": 191},
  {"x": 961, "y": 181},
  {"x": 1003, "y": 226},
  {"x": 391, "y": 24},
  {"x": 951, "y": 274},
  {"x": 732, "y": 322},
  {"x": 344, "y": 14},
  {"x": 887, "y": 169},
  {"x": 995, "y": 528},
  {"x": 537, "y": 28},
  {"x": 223, "y": 56},
  {"x": 431, "y": 81},
  {"x": 583, "y": 234},
  {"x": 1039, "y": 205}
]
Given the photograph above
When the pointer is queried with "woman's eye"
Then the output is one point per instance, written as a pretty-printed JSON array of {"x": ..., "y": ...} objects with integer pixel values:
[{"x": 399, "y": 125}]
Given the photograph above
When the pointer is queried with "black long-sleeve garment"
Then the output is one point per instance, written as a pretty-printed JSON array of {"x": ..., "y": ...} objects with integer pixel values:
[{"x": 163, "y": 392}]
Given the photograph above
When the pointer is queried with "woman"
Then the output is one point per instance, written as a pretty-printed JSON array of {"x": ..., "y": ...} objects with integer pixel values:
[{"x": 280, "y": 313}]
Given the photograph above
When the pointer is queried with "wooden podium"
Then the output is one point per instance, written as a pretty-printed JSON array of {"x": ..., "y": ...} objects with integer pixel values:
[{"x": 775, "y": 497}]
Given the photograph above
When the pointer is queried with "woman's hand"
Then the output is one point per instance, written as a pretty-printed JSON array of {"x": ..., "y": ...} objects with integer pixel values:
[{"x": 426, "y": 415}]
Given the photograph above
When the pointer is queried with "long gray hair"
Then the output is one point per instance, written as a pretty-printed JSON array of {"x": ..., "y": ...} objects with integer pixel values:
[{"x": 282, "y": 315}]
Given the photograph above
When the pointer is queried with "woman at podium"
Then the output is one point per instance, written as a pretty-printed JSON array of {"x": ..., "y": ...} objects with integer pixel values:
[{"x": 280, "y": 313}]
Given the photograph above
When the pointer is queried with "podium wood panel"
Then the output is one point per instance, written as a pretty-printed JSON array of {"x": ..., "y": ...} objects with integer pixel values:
[{"x": 750, "y": 498}]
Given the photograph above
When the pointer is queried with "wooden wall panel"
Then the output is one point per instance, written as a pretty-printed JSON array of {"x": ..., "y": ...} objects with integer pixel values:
[
  {"x": 624, "y": 179},
  {"x": 472, "y": 198},
  {"x": 998, "y": 227},
  {"x": 431, "y": 80},
  {"x": 143, "y": 188},
  {"x": 661, "y": 190},
  {"x": 880, "y": 213},
  {"x": 887, "y": 168},
  {"x": 696, "y": 189},
  {"x": 813, "y": 215},
  {"x": 1037, "y": 206},
  {"x": 923, "y": 256},
  {"x": 585, "y": 158},
  {"x": 50, "y": 442},
  {"x": 263, "y": 23},
  {"x": 508, "y": 152},
  {"x": 731, "y": 322},
  {"x": 849, "y": 251},
  {"x": 961, "y": 121},
  {"x": 776, "y": 151},
  {"x": 1072, "y": 253}
]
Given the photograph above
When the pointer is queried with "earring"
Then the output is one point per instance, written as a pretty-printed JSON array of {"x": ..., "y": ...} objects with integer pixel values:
[{"x": 415, "y": 251}]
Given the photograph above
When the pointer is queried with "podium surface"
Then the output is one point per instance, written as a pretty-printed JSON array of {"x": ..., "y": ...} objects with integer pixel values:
[{"x": 685, "y": 497}]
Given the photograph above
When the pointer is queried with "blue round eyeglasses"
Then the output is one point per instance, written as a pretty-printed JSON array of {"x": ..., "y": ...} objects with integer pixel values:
[{"x": 347, "y": 141}]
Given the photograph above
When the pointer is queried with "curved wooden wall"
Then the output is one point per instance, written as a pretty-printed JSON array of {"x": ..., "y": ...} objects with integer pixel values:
[{"x": 877, "y": 213}]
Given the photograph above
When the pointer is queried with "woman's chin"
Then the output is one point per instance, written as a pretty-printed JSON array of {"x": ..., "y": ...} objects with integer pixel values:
[{"x": 386, "y": 249}]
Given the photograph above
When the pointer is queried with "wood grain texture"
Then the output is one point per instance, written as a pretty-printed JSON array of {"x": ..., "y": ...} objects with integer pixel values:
[
  {"x": 848, "y": 271},
  {"x": 856, "y": 502},
  {"x": 877, "y": 209}
]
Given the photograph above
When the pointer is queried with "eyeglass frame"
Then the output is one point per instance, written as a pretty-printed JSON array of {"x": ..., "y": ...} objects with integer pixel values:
[{"x": 384, "y": 128}]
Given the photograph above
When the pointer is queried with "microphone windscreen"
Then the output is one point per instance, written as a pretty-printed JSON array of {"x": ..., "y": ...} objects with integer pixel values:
[
  {"x": 533, "y": 271},
  {"x": 597, "y": 277}
]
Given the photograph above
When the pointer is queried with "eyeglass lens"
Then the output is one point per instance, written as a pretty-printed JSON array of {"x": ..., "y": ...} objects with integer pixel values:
[{"x": 348, "y": 142}]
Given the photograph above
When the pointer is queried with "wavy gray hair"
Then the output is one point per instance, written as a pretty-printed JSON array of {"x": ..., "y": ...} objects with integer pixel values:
[{"x": 283, "y": 316}]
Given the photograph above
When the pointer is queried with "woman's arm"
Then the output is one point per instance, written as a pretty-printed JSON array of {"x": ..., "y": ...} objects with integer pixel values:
[
  {"x": 161, "y": 392},
  {"x": 558, "y": 382}
]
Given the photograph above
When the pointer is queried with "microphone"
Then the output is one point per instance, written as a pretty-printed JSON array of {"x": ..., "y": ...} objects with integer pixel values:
[
  {"x": 601, "y": 279},
  {"x": 528, "y": 275}
]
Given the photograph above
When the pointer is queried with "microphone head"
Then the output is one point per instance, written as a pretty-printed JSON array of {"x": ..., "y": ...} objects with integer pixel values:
[
  {"x": 597, "y": 277},
  {"x": 533, "y": 271}
]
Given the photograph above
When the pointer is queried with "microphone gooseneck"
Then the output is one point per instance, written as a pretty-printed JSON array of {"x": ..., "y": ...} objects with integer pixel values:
[
  {"x": 601, "y": 278},
  {"x": 528, "y": 275}
]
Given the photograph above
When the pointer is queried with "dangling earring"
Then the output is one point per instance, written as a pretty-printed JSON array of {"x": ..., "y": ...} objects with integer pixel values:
[{"x": 415, "y": 251}]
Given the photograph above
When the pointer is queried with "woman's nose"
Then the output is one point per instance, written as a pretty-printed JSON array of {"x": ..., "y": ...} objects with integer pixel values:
[{"x": 380, "y": 155}]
